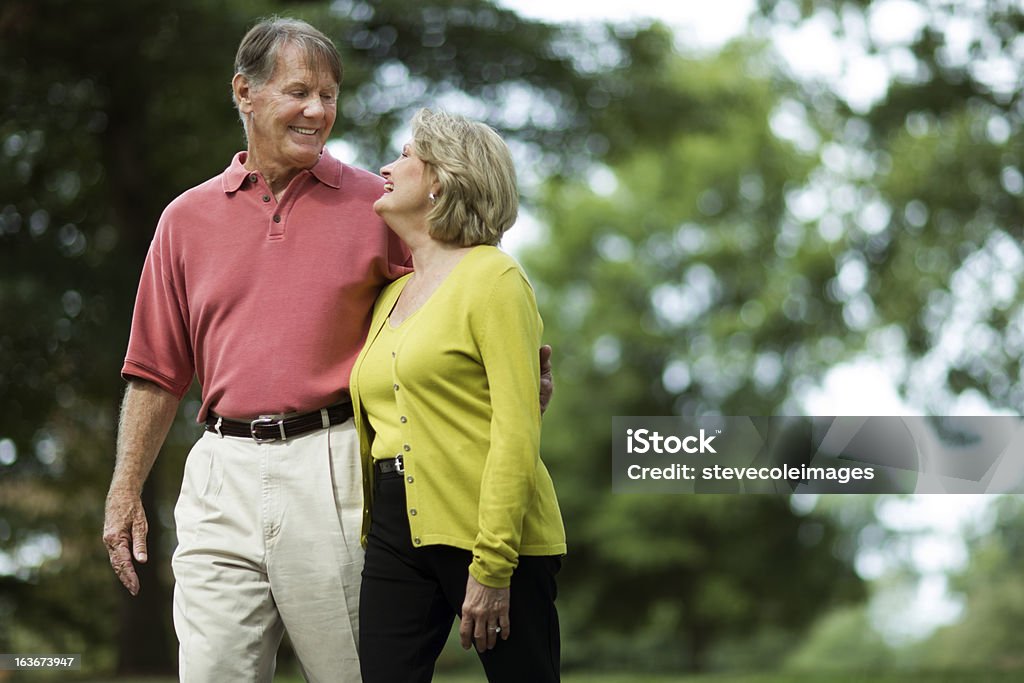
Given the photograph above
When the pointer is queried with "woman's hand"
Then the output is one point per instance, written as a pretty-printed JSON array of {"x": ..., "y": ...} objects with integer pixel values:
[{"x": 484, "y": 616}]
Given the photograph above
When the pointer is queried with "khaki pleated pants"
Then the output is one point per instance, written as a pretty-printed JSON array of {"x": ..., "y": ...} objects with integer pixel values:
[{"x": 268, "y": 540}]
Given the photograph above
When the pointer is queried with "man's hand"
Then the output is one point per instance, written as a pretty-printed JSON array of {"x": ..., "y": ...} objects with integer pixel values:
[
  {"x": 124, "y": 534},
  {"x": 147, "y": 412},
  {"x": 547, "y": 383},
  {"x": 484, "y": 616}
]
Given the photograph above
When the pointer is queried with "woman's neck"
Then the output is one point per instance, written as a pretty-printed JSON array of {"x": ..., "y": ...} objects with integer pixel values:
[{"x": 431, "y": 258}]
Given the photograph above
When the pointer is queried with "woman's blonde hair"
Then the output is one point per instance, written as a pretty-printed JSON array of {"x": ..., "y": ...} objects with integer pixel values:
[{"x": 479, "y": 198}]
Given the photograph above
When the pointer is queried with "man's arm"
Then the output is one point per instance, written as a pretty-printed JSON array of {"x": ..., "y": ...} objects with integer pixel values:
[
  {"x": 547, "y": 383},
  {"x": 146, "y": 415}
]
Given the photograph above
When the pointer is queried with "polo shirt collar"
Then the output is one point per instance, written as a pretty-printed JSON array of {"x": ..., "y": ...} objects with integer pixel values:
[{"x": 327, "y": 170}]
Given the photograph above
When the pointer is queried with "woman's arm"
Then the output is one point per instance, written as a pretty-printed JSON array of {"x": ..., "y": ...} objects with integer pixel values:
[{"x": 508, "y": 340}]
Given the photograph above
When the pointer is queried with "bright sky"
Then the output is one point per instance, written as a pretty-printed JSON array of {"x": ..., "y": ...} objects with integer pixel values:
[
  {"x": 700, "y": 24},
  {"x": 810, "y": 51}
]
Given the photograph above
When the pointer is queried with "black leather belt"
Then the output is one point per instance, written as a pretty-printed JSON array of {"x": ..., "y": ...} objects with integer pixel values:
[
  {"x": 389, "y": 465},
  {"x": 279, "y": 427}
]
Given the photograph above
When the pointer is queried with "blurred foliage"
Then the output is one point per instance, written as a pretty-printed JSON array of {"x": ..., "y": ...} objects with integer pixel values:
[
  {"x": 989, "y": 633},
  {"x": 700, "y": 325},
  {"x": 719, "y": 234},
  {"x": 772, "y": 233},
  {"x": 925, "y": 194},
  {"x": 843, "y": 640}
]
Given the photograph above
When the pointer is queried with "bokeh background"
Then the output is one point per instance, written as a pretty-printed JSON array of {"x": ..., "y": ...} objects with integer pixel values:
[{"x": 711, "y": 227}]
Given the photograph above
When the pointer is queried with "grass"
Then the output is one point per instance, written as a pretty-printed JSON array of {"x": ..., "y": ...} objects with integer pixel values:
[{"x": 881, "y": 677}]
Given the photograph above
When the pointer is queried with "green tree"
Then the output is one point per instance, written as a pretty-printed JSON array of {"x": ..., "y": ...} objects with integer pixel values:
[
  {"x": 927, "y": 194},
  {"x": 988, "y": 634},
  {"x": 673, "y": 281},
  {"x": 722, "y": 270}
]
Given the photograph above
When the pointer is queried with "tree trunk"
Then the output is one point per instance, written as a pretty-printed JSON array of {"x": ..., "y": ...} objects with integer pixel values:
[
  {"x": 144, "y": 640},
  {"x": 698, "y": 640}
]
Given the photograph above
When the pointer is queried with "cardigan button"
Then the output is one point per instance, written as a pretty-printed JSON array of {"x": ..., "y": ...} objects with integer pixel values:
[
  {"x": 410, "y": 479},
  {"x": 416, "y": 540},
  {"x": 403, "y": 419},
  {"x": 412, "y": 511},
  {"x": 407, "y": 448}
]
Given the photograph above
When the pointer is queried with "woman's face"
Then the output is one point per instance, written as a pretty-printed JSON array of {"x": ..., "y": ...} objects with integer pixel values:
[{"x": 408, "y": 183}]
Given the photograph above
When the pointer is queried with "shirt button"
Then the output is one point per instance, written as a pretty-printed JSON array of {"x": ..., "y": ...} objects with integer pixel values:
[
  {"x": 409, "y": 479},
  {"x": 416, "y": 540},
  {"x": 266, "y": 197},
  {"x": 407, "y": 448},
  {"x": 253, "y": 178},
  {"x": 277, "y": 219},
  {"x": 403, "y": 419},
  {"x": 412, "y": 511}
]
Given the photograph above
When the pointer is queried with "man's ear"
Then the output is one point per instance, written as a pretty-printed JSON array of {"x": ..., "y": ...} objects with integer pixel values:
[{"x": 243, "y": 93}]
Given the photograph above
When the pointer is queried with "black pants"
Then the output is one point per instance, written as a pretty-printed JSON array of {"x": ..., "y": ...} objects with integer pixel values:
[{"x": 411, "y": 596}]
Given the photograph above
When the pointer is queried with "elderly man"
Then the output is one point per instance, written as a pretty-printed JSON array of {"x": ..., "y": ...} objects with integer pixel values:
[{"x": 260, "y": 282}]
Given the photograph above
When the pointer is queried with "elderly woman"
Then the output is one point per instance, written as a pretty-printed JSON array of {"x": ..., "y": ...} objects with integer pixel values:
[{"x": 462, "y": 514}]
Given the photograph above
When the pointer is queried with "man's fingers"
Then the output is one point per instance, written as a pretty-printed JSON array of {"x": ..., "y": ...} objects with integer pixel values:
[
  {"x": 547, "y": 384},
  {"x": 129, "y": 579},
  {"x": 124, "y": 534},
  {"x": 121, "y": 561},
  {"x": 139, "y": 531}
]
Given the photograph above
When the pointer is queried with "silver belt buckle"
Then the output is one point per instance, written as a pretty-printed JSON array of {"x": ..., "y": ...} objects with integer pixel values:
[{"x": 267, "y": 420}]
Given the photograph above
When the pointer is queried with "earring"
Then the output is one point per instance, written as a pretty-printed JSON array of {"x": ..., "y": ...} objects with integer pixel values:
[{"x": 432, "y": 197}]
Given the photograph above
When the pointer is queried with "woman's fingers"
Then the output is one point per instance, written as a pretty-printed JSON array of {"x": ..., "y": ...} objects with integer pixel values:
[{"x": 484, "y": 616}]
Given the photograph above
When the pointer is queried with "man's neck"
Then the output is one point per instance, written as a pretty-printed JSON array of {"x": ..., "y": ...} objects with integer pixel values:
[{"x": 277, "y": 178}]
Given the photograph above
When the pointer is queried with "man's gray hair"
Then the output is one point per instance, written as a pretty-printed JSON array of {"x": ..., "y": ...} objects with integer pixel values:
[{"x": 257, "y": 53}]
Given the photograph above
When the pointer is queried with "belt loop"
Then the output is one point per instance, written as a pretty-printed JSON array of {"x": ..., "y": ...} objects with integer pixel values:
[
  {"x": 216, "y": 427},
  {"x": 324, "y": 418}
]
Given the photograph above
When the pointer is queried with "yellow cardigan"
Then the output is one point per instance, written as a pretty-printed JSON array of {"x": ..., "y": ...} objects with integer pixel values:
[{"x": 466, "y": 379}]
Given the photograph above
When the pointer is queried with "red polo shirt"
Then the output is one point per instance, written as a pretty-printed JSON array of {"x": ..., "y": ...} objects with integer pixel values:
[{"x": 266, "y": 303}]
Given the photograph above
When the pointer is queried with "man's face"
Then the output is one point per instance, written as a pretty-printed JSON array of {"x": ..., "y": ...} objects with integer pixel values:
[{"x": 291, "y": 114}]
